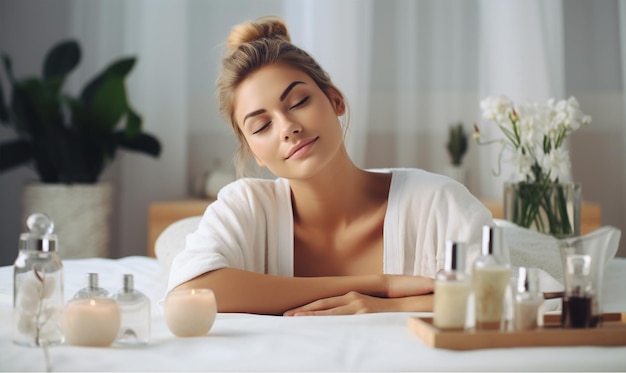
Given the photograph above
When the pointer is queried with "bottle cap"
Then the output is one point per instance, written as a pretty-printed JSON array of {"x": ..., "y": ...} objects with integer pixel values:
[
  {"x": 492, "y": 240},
  {"x": 129, "y": 282},
  {"x": 527, "y": 280},
  {"x": 92, "y": 280},
  {"x": 454, "y": 256},
  {"x": 39, "y": 236}
]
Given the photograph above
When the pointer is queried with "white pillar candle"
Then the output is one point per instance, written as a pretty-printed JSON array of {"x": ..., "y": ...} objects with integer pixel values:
[
  {"x": 91, "y": 321},
  {"x": 190, "y": 312}
]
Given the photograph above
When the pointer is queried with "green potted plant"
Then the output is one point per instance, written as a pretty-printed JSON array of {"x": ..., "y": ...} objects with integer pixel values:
[
  {"x": 69, "y": 140},
  {"x": 457, "y": 147}
]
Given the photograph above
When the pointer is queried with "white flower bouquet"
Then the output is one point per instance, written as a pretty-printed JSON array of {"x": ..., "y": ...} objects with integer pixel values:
[{"x": 535, "y": 134}]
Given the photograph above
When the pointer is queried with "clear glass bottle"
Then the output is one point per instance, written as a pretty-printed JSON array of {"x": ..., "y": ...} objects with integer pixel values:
[
  {"x": 38, "y": 298},
  {"x": 490, "y": 282},
  {"x": 578, "y": 298},
  {"x": 92, "y": 289},
  {"x": 528, "y": 303},
  {"x": 452, "y": 288},
  {"x": 135, "y": 309}
]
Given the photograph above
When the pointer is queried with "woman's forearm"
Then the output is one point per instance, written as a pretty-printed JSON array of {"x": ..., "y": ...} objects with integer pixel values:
[
  {"x": 418, "y": 303},
  {"x": 242, "y": 291}
]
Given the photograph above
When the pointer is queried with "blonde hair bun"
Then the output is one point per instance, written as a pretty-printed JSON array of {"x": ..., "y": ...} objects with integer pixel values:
[{"x": 262, "y": 27}]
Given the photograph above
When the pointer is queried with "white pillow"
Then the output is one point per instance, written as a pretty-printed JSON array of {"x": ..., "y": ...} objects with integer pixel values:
[{"x": 172, "y": 240}]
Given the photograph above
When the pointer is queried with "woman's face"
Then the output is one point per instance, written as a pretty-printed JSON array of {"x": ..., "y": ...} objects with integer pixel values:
[{"x": 290, "y": 125}]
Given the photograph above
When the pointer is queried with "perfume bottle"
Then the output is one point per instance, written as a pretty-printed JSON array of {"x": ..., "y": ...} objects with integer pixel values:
[
  {"x": 490, "y": 282},
  {"x": 578, "y": 300},
  {"x": 528, "y": 303},
  {"x": 452, "y": 289},
  {"x": 135, "y": 309},
  {"x": 92, "y": 289},
  {"x": 38, "y": 299}
]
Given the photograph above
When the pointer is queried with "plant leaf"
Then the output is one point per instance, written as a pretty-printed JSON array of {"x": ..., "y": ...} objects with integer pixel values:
[
  {"x": 108, "y": 103},
  {"x": 8, "y": 67},
  {"x": 34, "y": 108},
  {"x": 117, "y": 69},
  {"x": 4, "y": 112},
  {"x": 121, "y": 67},
  {"x": 133, "y": 124},
  {"x": 14, "y": 153},
  {"x": 144, "y": 143},
  {"x": 61, "y": 59}
]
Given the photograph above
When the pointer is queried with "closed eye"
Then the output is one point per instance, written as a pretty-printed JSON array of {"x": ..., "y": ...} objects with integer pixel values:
[
  {"x": 300, "y": 103},
  {"x": 262, "y": 128}
]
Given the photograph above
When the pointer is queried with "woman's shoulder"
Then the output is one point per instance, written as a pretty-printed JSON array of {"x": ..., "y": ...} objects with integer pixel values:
[
  {"x": 412, "y": 178},
  {"x": 254, "y": 188}
]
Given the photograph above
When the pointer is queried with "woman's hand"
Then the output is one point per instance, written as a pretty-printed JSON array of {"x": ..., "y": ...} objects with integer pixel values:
[
  {"x": 354, "y": 303},
  {"x": 348, "y": 304}
]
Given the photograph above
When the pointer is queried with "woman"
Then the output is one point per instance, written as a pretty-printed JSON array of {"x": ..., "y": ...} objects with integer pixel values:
[{"x": 325, "y": 237}]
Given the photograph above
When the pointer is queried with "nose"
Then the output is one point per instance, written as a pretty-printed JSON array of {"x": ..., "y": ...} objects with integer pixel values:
[{"x": 290, "y": 129}]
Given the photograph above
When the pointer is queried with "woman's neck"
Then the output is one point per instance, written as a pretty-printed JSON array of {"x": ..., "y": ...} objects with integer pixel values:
[{"x": 338, "y": 196}]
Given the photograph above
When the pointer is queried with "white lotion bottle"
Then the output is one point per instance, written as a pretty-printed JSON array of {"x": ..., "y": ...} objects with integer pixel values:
[
  {"x": 452, "y": 288},
  {"x": 490, "y": 281},
  {"x": 528, "y": 303}
]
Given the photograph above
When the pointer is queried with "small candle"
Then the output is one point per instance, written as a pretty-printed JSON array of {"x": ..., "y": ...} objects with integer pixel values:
[
  {"x": 190, "y": 312},
  {"x": 91, "y": 321}
]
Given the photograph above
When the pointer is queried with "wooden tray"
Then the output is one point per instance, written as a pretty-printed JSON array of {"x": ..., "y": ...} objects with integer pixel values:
[{"x": 611, "y": 333}]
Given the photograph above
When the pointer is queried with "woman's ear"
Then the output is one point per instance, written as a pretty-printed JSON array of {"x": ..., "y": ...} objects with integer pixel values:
[{"x": 336, "y": 99}]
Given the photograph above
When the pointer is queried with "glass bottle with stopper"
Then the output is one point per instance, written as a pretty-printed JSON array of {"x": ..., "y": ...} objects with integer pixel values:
[{"x": 38, "y": 298}]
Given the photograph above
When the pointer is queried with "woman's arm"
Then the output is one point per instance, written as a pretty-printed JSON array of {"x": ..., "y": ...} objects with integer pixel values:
[
  {"x": 354, "y": 303},
  {"x": 243, "y": 291}
]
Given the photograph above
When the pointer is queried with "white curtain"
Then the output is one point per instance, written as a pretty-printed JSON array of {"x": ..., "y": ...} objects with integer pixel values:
[
  {"x": 622, "y": 39},
  {"x": 412, "y": 68},
  {"x": 521, "y": 56},
  {"x": 156, "y": 33},
  {"x": 338, "y": 35}
]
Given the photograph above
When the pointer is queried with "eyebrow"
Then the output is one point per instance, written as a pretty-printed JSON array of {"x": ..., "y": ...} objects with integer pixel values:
[
  {"x": 282, "y": 98},
  {"x": 288, "y": 89}
]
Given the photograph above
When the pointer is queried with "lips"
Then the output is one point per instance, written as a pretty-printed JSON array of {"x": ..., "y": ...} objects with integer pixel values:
[{"x": 300, "y": 146}]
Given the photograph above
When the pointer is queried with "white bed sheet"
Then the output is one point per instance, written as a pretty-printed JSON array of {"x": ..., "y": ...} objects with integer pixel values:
[{"x": 240, "y": 342}]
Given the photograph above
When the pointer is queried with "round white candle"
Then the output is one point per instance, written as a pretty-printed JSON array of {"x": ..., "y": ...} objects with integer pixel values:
[
  {"x": 190, "y": 312},
  {"x": 91, "y": 321}
]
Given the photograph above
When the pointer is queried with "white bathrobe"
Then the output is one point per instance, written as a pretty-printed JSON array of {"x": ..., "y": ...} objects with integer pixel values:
[{"x": 250, "y": 227}]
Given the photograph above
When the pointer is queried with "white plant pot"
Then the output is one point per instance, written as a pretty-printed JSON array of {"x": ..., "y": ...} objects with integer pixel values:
[
  {"x": 458, "y": 173},
  {"x": 81, "y": 214}
]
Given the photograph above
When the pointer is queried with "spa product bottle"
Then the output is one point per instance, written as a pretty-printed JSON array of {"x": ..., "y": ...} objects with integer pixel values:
[
  {"x": 490, "y": 282},
  {"x": 528, "y": 303},
  {"x": 135, "y": 309},
  {"x": 578, "y": 300},
  {"x": 92, "y": 289},
  {"x": 452, "y": 289},
  {"x": 38, "y": 299}
]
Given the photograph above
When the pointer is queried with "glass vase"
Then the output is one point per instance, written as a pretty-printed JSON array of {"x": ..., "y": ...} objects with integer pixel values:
[{"x": 550, "y": 208}]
